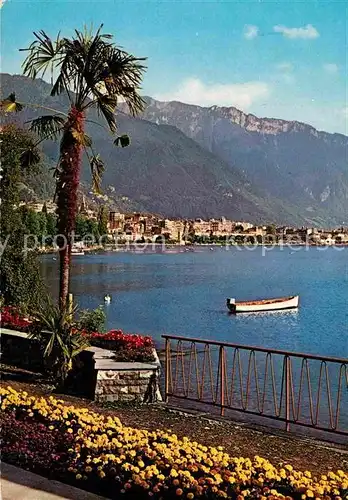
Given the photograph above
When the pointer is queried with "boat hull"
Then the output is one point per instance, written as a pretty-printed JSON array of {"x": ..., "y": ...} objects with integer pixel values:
[{"x": 266, "y": 305}]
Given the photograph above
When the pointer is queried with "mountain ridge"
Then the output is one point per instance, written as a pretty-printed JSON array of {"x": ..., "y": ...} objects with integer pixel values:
[
  {"x": 249, "y": 121},
  {"x": 291, "y": 161},
  {"x": 190, "y": 166}
]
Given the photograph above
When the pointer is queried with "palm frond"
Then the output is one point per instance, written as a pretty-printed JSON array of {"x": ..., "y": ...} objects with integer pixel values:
[
  {"x": 106, "y": 105},
  {"x": 10, "y": 105},
  {"x": 123, "y": 77},
  {"x": 30, "y": 157},
  {"x": 43, "y": 55},
  {"x": 59, "y": 84},
  {"x": 111, "y": 73},
  {"x": 47, "y": 126},
  {"x": 122, "y": 140},
  {"x": 97, "y": 169}
]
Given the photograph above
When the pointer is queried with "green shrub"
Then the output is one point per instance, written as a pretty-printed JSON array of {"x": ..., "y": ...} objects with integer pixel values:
[
  {"x": 92, "y": 320},
  {"x": 60, "y": 341}
]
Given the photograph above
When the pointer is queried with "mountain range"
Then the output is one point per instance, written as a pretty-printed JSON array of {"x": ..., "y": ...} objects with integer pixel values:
[{"x": 190, "y": 161}]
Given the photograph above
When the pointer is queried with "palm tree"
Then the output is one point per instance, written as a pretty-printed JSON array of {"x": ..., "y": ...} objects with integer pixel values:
[{"x": 93, "y": 72}]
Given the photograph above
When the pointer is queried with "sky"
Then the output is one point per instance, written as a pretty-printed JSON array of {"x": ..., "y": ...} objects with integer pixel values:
[{"x": 281, "y": 59}]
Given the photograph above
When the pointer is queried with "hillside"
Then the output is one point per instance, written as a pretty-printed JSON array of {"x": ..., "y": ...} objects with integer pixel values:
[
  {"x": 166, "y": 171},
  {"x": 291, "y": 161}
]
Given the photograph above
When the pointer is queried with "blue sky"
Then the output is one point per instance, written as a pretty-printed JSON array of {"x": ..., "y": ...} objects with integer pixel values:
[{"x": 282, "y": 59}]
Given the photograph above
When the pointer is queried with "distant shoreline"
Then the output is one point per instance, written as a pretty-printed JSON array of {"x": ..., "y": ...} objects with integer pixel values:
[{"x": 134, "y": 245}]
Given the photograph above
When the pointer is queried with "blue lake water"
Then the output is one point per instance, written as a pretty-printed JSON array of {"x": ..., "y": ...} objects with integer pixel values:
[{"x": 184, "y": 293}]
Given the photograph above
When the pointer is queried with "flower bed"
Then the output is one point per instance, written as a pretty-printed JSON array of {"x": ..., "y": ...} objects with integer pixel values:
[
  {"x": 127, "y": 347},
  {"x": 98, "y": 453},
  {"x": 11, "y": 318}
]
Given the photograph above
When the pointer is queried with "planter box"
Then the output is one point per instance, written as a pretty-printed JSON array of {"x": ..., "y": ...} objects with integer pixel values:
[
  {"x": 125, "y": 382},
  {"x": 96, "y": 376}
]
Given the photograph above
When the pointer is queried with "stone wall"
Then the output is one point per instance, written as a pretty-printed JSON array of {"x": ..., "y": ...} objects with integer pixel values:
[
  {"x": 125, "y": 382},
  {"x": 18, "y": 350},
  {"x": 122, "y": 385},
  {"x": 96, "y": 374}
]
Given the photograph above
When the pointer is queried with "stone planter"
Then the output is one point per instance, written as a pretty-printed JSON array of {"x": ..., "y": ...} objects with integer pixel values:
[
  {"x": 125, "y": 382},
  {"x": 96, "y": 375}
]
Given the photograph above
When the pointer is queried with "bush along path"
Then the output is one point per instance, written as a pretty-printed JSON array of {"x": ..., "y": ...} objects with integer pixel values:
[{"x": 96, "y": 452}]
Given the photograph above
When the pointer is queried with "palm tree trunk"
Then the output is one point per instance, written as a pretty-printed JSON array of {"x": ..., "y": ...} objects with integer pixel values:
[{"x": 67, "y": 186}]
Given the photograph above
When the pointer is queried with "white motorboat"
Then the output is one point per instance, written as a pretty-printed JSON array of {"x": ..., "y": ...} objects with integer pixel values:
[
  {"x": 263, "y": 305},
  {"x": 77, "y": 251}
]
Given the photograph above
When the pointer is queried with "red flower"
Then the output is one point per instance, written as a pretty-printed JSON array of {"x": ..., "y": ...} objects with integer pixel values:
[
  {"x": 127, "y": 347},
  {"x": 10, "y": 318}
]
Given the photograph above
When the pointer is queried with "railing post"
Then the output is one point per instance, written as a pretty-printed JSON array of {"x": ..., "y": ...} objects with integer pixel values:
[
  {"x": 222, "y": 379},
  {"x": 166, "y": 378},
  {"x": 287, "y": 393}
]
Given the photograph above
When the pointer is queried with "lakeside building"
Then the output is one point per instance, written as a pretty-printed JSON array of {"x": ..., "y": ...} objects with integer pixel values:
[
  {"x": 136, "y": 226},
  {"x": 38, "y": 206}
]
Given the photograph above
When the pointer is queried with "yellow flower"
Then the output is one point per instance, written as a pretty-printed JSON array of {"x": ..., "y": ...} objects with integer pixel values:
[{"x": 120, "y": 448}]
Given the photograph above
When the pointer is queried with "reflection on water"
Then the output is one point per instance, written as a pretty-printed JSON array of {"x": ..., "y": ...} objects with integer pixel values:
[
  {"x": 184, "y": 293},
  {"x": 289, "y": 312}
]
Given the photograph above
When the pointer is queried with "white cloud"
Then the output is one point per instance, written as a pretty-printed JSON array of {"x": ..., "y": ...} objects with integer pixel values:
[
  {"x": 330, "y": 68},
  {"x": 285, "y": 67},
  {"x": 241, "y": 95},
  {"x": 250, "y": 31},
  {"x": 305, "y": 32}
]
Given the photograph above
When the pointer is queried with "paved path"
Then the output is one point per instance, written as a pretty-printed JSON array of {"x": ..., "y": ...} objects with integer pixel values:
[{"x": 18, "y": 484}]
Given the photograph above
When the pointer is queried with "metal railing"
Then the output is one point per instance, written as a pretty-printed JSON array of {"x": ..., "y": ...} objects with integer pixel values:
[{"x": 291, "y": 387}]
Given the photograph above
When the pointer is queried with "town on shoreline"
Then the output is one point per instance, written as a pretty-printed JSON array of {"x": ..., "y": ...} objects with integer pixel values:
[{"x": 130, "y": 229}]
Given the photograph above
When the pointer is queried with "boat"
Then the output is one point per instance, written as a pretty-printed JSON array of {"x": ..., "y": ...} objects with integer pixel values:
[
  {"x": 263, "y": 305},
  {"x": 77, "y": 250},
  {"x": 107, "y": 299}
]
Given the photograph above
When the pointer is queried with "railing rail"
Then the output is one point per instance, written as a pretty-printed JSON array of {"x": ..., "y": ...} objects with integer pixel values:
[{"x": 291, "y": 387}]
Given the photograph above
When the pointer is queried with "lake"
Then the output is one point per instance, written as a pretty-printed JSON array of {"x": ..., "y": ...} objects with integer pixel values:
[{"x": 184, "y": 293}]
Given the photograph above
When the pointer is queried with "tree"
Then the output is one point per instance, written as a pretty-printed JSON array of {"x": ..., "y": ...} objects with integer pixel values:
[
  {"x": 93, "y": 229},
  {"x": 20, "y": 283},
  {"x": 92, "y": 72},
  {"x": 42, "y": 225},
  {"x": 81, "y": 226},
  {"x": 271, "y": 229},
  {"x": 51, "y": 225},
  {"x": 103, "y": 218},
  {"x": 31, "y": 221},
  {"x": 191, "y": 233}
]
